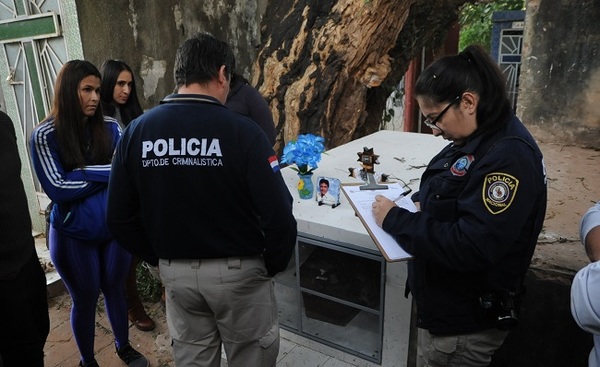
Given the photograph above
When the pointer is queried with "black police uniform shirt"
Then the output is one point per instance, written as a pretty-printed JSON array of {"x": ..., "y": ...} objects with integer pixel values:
[
  {"x": 209, "y": 184},
  {"x": 482, "y": 209}
]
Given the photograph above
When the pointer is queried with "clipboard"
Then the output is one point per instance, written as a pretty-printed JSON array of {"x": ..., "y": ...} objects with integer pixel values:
[{"x": 361, "y": 201}]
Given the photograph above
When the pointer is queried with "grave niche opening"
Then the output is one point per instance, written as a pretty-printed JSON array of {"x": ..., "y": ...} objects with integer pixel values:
[{"x": 344, "y": 276}]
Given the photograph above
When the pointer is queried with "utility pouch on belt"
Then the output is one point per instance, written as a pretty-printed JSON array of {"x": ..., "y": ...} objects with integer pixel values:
[{"x": 502, "y": 306}]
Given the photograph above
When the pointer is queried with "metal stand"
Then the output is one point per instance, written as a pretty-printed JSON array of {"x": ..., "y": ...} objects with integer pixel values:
[{"x": 372, "y": 183}]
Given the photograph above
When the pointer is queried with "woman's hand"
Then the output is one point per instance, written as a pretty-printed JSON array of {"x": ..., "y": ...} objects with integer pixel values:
[{"x": 381, "y": 206}]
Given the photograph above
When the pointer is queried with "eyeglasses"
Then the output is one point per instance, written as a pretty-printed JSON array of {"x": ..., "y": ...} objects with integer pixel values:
[{"x": 432, "y": 123}]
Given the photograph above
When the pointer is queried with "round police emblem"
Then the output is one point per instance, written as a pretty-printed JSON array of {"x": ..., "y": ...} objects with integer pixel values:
[
  {"x": 498, "y": 192},
  {"x": 460, "y": 167}
]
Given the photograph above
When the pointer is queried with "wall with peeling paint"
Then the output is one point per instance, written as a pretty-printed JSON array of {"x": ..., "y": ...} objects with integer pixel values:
[
  {"x": 559, "y": 95},
  {"x": 146, "y": 34}
]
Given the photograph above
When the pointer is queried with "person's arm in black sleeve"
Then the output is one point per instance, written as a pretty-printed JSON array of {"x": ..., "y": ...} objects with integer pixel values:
[
  {"x": 16, "y": 241},
  {"x": 123, "y": 210},
  {"x": 273, "y": 203},
  {"x": 478, "y": 237}
]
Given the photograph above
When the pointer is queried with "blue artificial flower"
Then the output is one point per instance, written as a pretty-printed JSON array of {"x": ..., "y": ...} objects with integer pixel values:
[{"x": 305, "y": 153}]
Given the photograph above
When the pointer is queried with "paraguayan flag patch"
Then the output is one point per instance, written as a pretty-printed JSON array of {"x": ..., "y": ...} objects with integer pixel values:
[{"x": 274, "y": 163}]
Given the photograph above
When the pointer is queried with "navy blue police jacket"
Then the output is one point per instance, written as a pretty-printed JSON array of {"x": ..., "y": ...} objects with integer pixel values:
[
  {"x": 482, "y": 208},
  {"x": 192, "y": 179}
]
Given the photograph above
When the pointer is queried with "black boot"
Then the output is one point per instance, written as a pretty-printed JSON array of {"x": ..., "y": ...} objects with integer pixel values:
[
  {"x": 93, "y": 363},
  {"x": 132, "y": 357}
]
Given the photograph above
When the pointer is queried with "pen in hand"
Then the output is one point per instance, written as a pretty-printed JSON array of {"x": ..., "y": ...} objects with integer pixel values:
[{"x": 402, "y": 195}]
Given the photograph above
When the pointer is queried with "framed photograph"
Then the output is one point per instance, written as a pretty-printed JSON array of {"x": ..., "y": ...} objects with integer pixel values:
[{"x": 328, "y": 191}]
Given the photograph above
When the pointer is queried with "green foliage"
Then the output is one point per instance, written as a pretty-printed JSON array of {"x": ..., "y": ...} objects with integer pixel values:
[
  {"x": 476, "y": 21},
  {"x": 394, "y": 100},
  {"x": 149, "y": 288}
]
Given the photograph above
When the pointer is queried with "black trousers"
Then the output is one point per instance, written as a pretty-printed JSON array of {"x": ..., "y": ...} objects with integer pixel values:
[{"x": 25, "y": 323}]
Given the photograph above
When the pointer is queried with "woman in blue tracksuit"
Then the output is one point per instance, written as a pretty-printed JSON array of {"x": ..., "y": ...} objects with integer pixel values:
[
  {"x": 482, "y": 201},
  {"x": 71, "y": 153}
]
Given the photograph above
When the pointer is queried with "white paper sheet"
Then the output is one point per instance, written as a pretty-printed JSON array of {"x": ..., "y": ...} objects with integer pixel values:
[{"x": 362, "y": 200}]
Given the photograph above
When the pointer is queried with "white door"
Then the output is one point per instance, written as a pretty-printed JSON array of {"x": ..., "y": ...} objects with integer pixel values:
[{"x": 37, "y": 37}]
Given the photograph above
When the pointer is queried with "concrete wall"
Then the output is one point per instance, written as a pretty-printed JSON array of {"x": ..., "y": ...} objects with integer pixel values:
[
  {"x": 146, "y": 34},
  {"x": 559, "y": 95}
]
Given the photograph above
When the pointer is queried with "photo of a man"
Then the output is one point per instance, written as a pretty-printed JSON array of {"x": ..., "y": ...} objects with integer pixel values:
[{"x": 328, "y": 194}]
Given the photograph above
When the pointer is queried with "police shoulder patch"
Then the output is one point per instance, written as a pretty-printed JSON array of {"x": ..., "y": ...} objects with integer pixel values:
[{"x": 499, "y": 190}]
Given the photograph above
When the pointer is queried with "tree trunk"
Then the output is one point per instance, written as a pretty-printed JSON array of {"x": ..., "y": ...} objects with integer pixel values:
[{"x": 328, "y": 66}]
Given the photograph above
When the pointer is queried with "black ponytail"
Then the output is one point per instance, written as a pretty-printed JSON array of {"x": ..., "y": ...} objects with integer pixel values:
[{"x": 472, "y": 70}]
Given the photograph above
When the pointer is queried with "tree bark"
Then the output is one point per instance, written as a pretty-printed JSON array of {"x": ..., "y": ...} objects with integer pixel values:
[{"x": 328, "y": 66}]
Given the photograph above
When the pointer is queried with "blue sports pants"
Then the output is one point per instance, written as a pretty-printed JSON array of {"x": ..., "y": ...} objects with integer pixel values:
[{"x": 87, "y": 269}]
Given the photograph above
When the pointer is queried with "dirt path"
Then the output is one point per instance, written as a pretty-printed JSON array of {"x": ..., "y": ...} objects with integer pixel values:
[{"x": 573, "y": 187}]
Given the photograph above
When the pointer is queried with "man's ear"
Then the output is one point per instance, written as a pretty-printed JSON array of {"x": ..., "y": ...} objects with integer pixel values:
[{"x": 223, "y": 75}]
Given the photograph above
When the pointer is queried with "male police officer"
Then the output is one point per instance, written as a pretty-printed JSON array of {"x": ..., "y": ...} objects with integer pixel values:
[{"x": 199, "y": 186}]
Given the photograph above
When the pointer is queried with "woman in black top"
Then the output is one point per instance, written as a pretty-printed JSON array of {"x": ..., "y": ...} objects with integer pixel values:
[{"x": 120, "y": 101}]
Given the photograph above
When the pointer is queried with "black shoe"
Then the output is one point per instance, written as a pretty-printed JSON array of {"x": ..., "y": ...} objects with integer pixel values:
[
  {"x": 132, "y": 357},
  {"x": 89, "y": 364}
]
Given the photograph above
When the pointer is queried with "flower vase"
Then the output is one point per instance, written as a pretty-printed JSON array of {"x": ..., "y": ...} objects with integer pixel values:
[{"x": 305, "y": 186}]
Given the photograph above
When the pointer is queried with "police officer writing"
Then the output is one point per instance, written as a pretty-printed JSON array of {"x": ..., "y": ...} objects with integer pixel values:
[{"x": 482, "y": 204}]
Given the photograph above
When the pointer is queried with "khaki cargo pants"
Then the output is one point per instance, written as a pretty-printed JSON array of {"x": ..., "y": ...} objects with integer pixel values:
[{"x": 228, "y": 301}]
